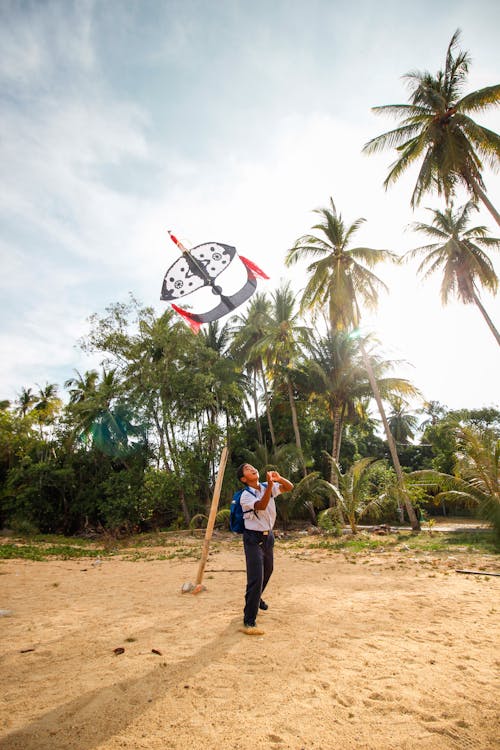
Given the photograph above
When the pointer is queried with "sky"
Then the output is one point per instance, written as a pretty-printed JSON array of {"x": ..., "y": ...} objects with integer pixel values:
[{"x": 222, "y": 120}]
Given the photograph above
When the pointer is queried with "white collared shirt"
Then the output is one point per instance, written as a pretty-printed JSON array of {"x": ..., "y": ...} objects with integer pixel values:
[{"x": 264, "y": 520}]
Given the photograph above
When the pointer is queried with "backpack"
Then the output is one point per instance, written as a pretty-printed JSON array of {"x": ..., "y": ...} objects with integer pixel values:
[{"x": 237, "y": 514}]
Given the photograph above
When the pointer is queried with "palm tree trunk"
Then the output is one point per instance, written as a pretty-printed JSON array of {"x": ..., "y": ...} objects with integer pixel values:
[
  {"x": 256, "y": 409},
  {"x": 161, "y": 434},
  {"x": 486, "y": 316},
  {"x": 295, "y": 423},
  {"x": 337, "y": 438},
  {"x": 268, "y": 407},
  {"x": 476, "y": 189},
  {"x": 171, "y": 443},
  {"x": 415, "y": 524}
]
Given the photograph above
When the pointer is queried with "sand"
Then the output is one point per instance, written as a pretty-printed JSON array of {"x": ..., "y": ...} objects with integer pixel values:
[{"x": 391, "y": 650}]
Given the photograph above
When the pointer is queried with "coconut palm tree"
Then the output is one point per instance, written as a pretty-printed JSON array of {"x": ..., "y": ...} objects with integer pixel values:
[
  {"x": 339, "y": 277},
  {"x": 438, "y": 130},
  {"x": 98, "y": 415},
  {"x": 338, "y": 273},
  {"x": 335, "y": 377},
  {"x": 281, "y": 345},
  {"x": 81, "y": 387},
  {"x": 311, "y": 493},
  {"x": 402, "y": 423},
  {"x": 248, "y": 331},
  {"x": 353, "y": 496},
  {"x": 47, "y": 404},
  {"x": 25, "y": 400},
  {"x": 459, "y": 251}
]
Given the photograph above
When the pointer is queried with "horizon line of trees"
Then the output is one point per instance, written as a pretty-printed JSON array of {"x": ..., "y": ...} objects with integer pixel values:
[{"x": 138, "y": 443}]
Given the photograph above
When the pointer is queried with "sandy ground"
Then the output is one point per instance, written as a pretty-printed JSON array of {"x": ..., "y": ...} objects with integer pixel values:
[{"x": 390, "y": 650}]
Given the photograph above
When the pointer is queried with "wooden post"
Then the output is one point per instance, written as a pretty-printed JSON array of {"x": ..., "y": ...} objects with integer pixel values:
[{"x": 211, "y": 517}]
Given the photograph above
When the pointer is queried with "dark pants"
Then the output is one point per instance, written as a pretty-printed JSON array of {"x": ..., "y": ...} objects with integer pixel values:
[{"x": 260, "y": 559}]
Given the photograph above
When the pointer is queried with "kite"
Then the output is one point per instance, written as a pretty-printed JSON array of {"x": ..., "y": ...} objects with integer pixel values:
[{"x": 205, "y": 271}]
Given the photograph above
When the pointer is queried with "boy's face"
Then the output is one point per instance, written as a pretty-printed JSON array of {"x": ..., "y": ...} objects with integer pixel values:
[{"x": 250, "y": 474}]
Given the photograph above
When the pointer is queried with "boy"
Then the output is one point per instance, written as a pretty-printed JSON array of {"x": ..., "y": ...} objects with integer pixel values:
[{"x": 259, "y": 513}]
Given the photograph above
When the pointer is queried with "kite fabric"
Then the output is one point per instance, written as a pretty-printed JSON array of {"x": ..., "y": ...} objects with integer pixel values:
[{"x": 207, "y": 271}]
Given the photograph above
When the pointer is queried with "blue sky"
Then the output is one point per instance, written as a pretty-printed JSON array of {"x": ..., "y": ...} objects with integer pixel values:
[{"x": 226, "y": 121}]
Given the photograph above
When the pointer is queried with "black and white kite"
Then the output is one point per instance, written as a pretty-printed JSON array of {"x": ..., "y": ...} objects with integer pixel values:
[{"x": 205, "y": 271}]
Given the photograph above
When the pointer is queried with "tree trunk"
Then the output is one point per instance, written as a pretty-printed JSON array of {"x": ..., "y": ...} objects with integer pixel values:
[
  {"x": 256, "y": 409},
  {"x": 476, "y": 189},
  {"x": 295, "y": 423},
  {"x": 415, "y": 524},
  {"x": 337, "y": 439},
  {"x": 268, "y": 407},
  {"x": 486, "y": 316},
  {"x": 161, "y": 435},
  {"x": 173, "y": 453}
]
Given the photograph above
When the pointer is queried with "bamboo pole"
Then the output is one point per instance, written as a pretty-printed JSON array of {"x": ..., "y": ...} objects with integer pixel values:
[{"x": 211, "y": 517}]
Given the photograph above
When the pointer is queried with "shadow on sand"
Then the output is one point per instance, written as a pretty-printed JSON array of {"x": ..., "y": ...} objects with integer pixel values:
[{"x": 100, "y": 714}]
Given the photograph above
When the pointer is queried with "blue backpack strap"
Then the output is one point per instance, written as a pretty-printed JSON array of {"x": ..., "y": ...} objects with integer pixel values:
[{"x": 250, "y": 510}]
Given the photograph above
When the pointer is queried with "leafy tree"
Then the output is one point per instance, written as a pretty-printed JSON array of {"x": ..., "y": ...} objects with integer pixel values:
[
  {"x": 438, "y": 130},
  {"x": 477, "y": 478},
  {"x": 459, "y": 252}
]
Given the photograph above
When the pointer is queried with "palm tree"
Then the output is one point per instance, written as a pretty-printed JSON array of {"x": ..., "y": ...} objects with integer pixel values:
[
  {"x": 281, "y": 345},
  {"x": 25, "y": 400},
  {"x": 82, "y": 387},
  {"x": 98, "y": 415},
  {"x": 402, "y": 423},
  {"x": 434, "y": 411},
  {"x": 459, "y": 252},
  {"x": 339, "y": 276},
  {"x": 335, "y": 377},
  {"x": 436, "y": 128},
  {"x": 311, "y": 493},
  {"x": 47, "y": 404},
  {"x": 248, "y": 331},
  {"x": 228, "y": 387},
  {"x": 353, "y": 496}
]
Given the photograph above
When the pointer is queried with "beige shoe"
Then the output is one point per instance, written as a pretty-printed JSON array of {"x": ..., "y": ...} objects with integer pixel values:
[{"x": 251, "y": 630}]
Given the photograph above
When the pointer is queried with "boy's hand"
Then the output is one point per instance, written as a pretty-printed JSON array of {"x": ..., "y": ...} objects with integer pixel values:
[{"x": 273, "y": 476}]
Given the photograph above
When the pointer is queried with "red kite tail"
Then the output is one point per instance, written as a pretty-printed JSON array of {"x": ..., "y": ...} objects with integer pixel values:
[
  {"x": 254, "y": 270},
  {"x": 193, "y": 324}
]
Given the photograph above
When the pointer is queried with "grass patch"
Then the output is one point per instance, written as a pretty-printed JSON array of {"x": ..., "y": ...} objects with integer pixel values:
[
  {"x": 39, "y": 552},
  {"x": 483, "y": 542},
  {"x": 139, "y": 555},
  {"x": 164, "y": 546}
]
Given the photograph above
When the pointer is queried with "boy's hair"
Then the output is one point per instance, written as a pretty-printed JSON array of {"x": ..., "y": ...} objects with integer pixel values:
[{"x": 240, "y": 471}]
